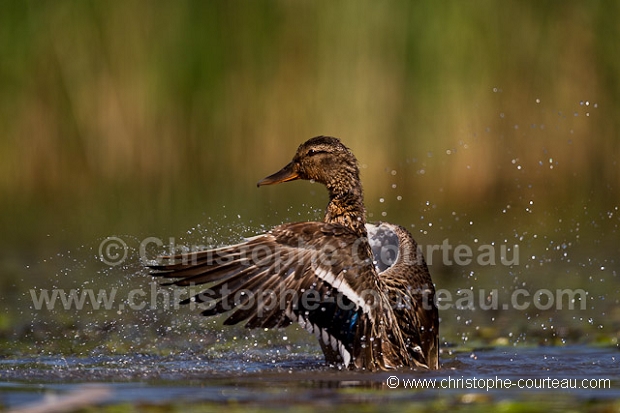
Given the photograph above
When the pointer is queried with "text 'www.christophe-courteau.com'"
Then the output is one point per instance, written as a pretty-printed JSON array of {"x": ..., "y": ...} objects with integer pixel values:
[{"x": 114, "y": 251}]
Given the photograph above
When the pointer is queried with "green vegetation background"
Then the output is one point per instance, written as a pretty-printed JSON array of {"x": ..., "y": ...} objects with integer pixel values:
[{"x": 477, "y": 121}]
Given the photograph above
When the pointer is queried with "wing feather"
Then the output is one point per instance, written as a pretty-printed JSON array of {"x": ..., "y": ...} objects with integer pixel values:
[
  {"x": 413, "y": 306},
  {"x": 290, "y": 260}
]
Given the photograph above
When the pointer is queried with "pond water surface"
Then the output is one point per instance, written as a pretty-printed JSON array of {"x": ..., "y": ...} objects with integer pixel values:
[{"x": 558, "y": 377}]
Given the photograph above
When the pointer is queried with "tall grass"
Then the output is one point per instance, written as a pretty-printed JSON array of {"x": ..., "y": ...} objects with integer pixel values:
[{"x": 119, "y": 109}]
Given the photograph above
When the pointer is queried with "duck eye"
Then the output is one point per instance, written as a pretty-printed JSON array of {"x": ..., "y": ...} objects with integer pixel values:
[{"x": 313, "y": 152}]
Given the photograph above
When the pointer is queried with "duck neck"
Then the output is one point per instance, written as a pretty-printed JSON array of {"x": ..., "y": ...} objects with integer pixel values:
[{"x": 346, "y": 207}]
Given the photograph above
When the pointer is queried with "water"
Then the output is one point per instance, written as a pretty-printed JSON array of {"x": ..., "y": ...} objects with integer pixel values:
[{"x": 285, "y": 380}]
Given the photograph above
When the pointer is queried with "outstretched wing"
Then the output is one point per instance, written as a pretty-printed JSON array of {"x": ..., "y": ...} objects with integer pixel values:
[
  {"x": 410, "y": 290},
  {"x": 318, "y": 274}
]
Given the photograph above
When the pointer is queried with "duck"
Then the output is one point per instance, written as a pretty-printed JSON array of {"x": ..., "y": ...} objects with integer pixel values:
[{"x": 363, "y": 289}]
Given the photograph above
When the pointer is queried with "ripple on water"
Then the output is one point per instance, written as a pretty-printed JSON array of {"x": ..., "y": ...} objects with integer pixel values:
[{"x": 301, "y": 376}]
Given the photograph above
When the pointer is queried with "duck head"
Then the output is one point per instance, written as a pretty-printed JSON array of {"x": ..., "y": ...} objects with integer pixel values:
[{"x": 322, "y": 159}]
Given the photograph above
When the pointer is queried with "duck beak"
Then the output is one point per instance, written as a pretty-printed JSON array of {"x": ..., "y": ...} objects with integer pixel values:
[{"x": 288, "y": 173}]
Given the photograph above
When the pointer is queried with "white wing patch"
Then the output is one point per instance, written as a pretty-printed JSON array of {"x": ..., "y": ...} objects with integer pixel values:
[
  {"x": 342, "y": 286},
  {"x": 384, "y": 244},
  {"x": 326, "y": 338}
]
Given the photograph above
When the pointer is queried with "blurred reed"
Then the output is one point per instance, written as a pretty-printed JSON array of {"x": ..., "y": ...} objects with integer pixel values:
[{"x": 135, "y": 109}]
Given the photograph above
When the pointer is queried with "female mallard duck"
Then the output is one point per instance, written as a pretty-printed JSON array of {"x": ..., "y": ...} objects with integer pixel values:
[{"x": 363, "y": 289}]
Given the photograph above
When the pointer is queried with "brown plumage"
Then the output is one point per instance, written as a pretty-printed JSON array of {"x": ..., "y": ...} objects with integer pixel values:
[{"x": 363, "y": 289}]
